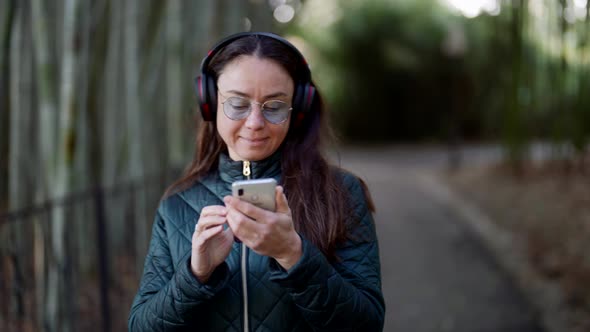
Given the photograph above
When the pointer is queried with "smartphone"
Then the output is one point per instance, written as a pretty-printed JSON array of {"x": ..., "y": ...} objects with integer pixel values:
[{"x": 260, "y": 192}]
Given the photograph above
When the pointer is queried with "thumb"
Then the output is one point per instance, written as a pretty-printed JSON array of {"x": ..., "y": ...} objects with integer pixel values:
[{"x": 281, "y": 199}]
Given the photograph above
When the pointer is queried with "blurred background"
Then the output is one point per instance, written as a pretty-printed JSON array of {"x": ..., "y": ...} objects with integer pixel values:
[{"x": 98, "y": 112}]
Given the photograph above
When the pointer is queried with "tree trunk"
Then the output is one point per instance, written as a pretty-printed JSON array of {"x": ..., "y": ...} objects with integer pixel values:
[
  {"x": 173, "y": 86},
  {"x": 7, "y": 26},
  {"x": 113, "y": 124},
  {"x": 134, "y": 124},
  {"x": 217, "y": 26},
  {"x": 56, "y": 290},
  {"x": 586, "y": 81},
  {"x": 154, "y": 90},
  {"x": 514, "y": 118},
  {"x": 7, "y": 9},
  {"x": 259, "y": 14},
  {"x": 47, "y": 99},
  {"x": 81, "y": 161},
  {"x": 14, "y": 167}
]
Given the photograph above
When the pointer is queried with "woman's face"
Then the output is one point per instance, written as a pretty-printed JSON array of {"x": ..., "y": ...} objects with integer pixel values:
[{"x": 252, "y": 138}]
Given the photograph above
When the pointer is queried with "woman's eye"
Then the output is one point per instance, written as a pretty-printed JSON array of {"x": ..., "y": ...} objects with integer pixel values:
[
  {"x": 240, "y": 107},
  {"x": 274, "y": 106},
  {"x": 239, "y": 104}
]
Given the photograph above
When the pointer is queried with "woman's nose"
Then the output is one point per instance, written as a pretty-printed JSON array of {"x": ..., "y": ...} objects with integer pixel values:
[{"x": 255, "y": 119}]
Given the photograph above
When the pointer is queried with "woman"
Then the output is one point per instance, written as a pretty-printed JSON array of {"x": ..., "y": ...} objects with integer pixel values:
[{"x": 216, "y": 263}]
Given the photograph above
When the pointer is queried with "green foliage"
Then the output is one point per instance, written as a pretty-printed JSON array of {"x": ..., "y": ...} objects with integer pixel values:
[
  {"x": 413, "y": 70},
  {"x": 382, "y": 69}
]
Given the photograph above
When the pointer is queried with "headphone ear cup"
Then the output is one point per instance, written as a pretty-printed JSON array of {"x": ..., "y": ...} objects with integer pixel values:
[
  {"x": 298, "y": 105},
  {"x": 212, "y": 97},
  {"x": 206, "y": 96},
  {"x": 297, "y": 98},
  {"x": 303, "y": 101},
  {"x": 200, "y": 87},
  {"x": 309, "y": 97}
]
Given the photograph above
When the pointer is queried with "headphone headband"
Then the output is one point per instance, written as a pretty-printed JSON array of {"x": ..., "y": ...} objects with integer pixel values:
[{"x": 228, "y": 40}]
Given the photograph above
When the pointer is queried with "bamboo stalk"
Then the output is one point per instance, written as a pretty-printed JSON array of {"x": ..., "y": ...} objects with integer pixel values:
[
  {"x": 173, "y": 88},
  {"x": 56, "y": 292}
]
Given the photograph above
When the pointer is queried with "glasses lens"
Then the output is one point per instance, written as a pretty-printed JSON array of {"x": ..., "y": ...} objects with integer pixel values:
[
  {"x": 236, "y": 108},
  {"x": 275, "y": 111}
]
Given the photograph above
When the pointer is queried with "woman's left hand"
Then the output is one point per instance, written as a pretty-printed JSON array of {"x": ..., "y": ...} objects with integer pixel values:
[{"x": 267, "y": 233}]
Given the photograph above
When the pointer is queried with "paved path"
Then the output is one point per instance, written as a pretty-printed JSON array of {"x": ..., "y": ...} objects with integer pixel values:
[{"x": 437, "y": 274}]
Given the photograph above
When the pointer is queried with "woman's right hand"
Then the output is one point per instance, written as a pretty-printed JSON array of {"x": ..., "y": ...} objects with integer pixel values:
[{"x": 211, "y": 244}]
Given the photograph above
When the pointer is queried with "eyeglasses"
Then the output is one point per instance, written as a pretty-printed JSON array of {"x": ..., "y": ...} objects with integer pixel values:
[{"x": 238, "y": 108}]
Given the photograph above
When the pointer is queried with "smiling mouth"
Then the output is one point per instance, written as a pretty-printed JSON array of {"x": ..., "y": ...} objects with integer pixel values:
[{"x": 255, "y": 140}]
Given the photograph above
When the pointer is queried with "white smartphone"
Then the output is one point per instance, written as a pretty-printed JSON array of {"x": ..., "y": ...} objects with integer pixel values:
[{"x": 260, "y": 192}]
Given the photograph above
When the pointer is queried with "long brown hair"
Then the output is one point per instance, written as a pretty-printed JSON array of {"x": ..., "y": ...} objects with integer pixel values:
[{"x": 318, "y": 200}]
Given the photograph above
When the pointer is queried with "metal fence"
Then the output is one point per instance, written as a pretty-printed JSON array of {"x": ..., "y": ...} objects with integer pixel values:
[{"x": 101, "y": 263}]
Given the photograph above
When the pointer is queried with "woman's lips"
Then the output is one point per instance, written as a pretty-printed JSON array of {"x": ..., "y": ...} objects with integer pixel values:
[{"x": 255, "y": 141}]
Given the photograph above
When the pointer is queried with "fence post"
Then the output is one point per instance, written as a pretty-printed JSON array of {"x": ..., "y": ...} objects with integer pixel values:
[{"x": 103, "y": 257}]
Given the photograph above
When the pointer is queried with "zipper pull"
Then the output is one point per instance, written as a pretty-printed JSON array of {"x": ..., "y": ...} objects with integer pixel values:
[{"x": 246, "y": 170}]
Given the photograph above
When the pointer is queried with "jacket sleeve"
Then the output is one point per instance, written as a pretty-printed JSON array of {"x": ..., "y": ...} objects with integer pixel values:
[
  {"x": 168, "y": 295},
  {"x": 344, "y": 295}
]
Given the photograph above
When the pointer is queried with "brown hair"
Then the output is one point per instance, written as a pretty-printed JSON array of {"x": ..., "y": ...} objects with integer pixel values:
[{"x": 318, "y": 200}]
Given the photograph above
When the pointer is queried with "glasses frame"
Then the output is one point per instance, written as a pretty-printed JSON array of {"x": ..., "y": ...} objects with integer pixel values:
[{"x": 250, "y": 108}]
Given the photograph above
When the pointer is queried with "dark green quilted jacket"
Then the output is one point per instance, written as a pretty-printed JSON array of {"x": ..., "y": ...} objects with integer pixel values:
[{"x": 314, "y": 295}]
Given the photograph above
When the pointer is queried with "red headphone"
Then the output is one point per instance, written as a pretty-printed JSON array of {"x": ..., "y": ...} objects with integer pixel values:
[{"x": 303, "y": 97}]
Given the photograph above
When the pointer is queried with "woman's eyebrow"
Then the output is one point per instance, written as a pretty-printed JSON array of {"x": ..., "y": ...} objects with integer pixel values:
[{"x": 272, "y": 95}]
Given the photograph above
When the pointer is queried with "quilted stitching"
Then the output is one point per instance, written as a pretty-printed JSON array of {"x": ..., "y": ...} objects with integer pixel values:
[{"x": 314, "y": 292}]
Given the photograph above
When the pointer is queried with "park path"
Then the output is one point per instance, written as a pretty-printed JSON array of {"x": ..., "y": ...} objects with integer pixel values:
[{"x": 437, "y": 274}]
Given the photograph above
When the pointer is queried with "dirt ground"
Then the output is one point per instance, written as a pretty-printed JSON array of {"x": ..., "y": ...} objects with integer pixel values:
[{"x": 546, "y": 208}]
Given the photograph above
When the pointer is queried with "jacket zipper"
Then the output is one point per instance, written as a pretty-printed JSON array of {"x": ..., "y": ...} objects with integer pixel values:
[{"x": 246, "y": 171}]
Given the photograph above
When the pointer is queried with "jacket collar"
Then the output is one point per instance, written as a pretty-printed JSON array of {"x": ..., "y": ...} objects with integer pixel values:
[{"x": 230, "y": 170}]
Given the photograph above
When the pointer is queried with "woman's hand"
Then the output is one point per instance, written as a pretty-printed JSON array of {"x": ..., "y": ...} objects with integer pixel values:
[
  {"x": 267, "y": 233},
  {"x": 210, "y": 244}
]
